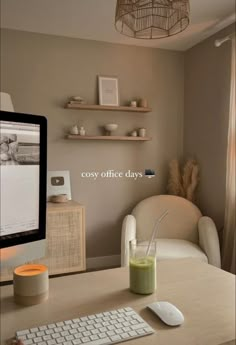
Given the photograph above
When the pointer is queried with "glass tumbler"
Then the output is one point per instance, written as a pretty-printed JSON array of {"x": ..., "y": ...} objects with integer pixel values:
[{"x": 142, "y": 267}]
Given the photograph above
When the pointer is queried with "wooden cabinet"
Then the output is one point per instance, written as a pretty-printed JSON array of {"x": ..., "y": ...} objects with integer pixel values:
[{"x": 65, "y": 236}]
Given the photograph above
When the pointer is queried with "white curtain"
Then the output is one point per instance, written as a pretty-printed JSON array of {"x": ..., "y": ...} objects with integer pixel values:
[{"x": 229, "y": 234}]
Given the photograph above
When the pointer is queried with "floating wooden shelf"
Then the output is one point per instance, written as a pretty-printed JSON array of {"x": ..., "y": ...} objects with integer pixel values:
[
  {"x": 106, "y": 107},
  {"x": 103, "y": 137}
]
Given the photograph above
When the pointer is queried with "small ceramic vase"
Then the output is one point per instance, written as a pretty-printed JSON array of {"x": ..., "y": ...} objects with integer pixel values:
[
  {"x": 74, "y": 130},
  {"x": 82, "y": 131}
]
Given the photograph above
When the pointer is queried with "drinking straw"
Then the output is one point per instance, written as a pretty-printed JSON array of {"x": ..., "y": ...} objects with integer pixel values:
[{"x": 154, "y": 232}]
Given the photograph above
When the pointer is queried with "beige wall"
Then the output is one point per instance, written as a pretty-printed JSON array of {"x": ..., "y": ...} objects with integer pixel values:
[
  {"x": 41, "y": 72},
  {"x": 207, "y": 83}
]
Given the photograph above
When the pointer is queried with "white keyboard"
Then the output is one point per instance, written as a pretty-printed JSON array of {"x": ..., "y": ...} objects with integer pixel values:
[{"x": 106, "y": 328}]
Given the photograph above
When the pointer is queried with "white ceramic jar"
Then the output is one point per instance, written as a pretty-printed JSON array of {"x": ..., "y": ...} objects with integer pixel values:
[{"x": 142, "y": 132}]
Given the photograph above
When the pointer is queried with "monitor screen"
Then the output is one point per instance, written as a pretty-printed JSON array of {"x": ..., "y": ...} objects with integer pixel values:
[{"x": 23, "y": 178}]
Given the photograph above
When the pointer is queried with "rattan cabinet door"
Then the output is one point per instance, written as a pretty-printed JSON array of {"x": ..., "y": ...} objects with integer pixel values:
[{"x": 65, "y": 239}]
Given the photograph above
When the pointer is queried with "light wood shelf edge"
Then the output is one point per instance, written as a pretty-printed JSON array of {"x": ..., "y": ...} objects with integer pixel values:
[
  {"x": 103, "y": 137},
  {"x": 106, "y": 107}
]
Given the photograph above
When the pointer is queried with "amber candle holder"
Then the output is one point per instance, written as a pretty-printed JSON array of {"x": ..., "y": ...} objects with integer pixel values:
[{"x": 31, "y": 284}]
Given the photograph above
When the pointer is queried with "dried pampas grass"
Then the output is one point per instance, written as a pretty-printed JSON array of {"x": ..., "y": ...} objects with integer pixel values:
[
  {"x": 174, "y": 185},
  {"x": 184, "y": 185}
]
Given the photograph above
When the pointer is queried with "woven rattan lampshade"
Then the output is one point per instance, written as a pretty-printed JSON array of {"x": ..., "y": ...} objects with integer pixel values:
[{"x": 149, "y": 19}]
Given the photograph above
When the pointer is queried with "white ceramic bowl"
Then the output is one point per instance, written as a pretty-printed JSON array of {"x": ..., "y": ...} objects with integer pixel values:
[{"x": 111, "y": 127}]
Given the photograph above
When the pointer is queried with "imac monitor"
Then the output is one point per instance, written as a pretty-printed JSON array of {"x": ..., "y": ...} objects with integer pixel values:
[{"x": 23, "y": 157}]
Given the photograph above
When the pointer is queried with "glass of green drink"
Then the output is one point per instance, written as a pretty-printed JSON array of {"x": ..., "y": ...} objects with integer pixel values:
[{"x": 142, "y": 267}]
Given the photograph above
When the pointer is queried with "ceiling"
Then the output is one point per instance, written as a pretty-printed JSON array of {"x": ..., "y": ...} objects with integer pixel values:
[{"x": 94, "y": 20}]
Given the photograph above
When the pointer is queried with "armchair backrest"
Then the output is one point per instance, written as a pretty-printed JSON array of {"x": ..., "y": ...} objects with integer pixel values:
[{"x": 180, "y": 223}]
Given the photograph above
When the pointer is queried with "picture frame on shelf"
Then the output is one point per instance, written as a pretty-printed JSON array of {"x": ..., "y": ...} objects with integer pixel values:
[{"x": 108, "y": 91}]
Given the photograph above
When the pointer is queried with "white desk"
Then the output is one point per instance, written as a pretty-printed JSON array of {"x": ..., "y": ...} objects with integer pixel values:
[{"x": 205, "y": 295}]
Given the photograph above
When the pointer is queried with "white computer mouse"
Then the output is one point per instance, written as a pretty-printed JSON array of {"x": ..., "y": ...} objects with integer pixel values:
[{"x": 167, "y": 312}]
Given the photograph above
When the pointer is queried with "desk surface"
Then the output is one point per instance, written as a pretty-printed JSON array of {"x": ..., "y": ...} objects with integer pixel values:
[{"x": 205, "y": 295}]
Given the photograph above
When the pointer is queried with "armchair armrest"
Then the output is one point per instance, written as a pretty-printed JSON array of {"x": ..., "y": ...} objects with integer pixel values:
[
  {"x": 128, "y": 234},
  {"x": 209, "y": 240}
]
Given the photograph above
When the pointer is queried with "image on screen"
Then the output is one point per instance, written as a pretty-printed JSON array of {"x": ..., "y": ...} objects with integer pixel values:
[{"x": 19, "y": 169}]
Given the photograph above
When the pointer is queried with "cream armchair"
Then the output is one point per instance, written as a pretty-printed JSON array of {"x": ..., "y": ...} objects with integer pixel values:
[{"x": 183, "y": 233}]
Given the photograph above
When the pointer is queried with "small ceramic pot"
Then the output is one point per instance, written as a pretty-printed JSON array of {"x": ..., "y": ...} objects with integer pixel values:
[
  {"x": 142, "y": 132},
  {"x": 133, "y": 104},
  {"x": 143, "y": 103},
  {"x": 134, "y": 134}
]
